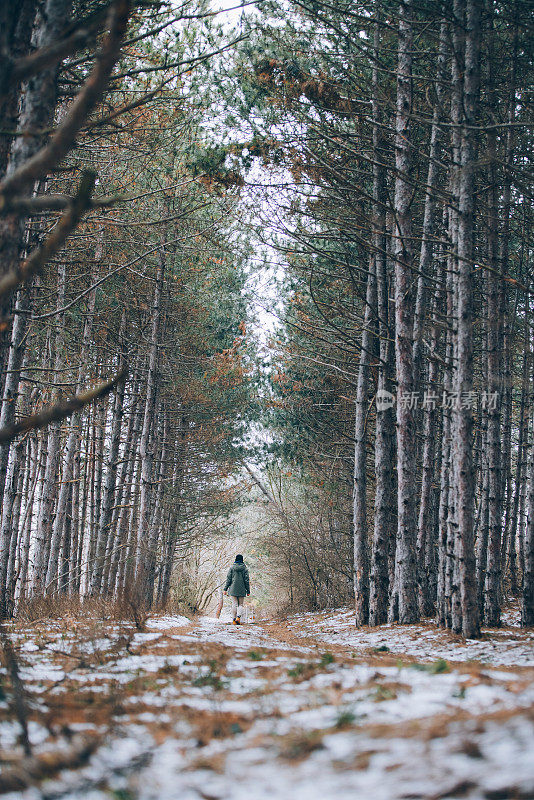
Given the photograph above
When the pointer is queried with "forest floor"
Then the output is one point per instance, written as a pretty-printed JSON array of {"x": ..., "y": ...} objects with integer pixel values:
[{"x": 308, "y": 708}]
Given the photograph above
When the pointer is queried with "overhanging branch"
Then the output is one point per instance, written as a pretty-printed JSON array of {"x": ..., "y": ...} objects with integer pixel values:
[{"x": 60, "y": 411}]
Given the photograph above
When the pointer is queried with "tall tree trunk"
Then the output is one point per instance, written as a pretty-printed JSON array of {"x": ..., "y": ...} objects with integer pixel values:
[
  {"x": 64, "y": 567},
  {"x": 527, "y": 604},
  {"x": 384, "y": 521},
  {"x": 508, "y": 545},
  {"x": 404, "y": 310},
  {"x": 492, "y": 588},
  {"x": 427, "y": 242},
  {"x": 157, "y": 514},
  {"x": 74, "y": 565},
  {"x": 463, "y": 416},
  {"x": 385, "y": 509},
  {"x": 16, "y": 541},
  {"x": 46, "y": 507},
  {"x": 483, "y": 527},
  {"x": 85, "y": 515},
  {"x": 99, "y": 435},
  {"x": 445, "y": 564},
  {"x": 361, "y": 547},
  {"x": 521, "y": 447},
  {"x": 425, "y": 600},
  {"x": 111, "y": 475},
  {"x": 147, "y": 435}
]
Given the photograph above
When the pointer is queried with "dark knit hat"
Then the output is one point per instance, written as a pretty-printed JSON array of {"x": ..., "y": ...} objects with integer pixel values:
[{"x": 239, "y": 559}]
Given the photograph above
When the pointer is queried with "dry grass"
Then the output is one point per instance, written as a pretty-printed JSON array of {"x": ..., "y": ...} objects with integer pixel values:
[
  {"x": 297, "y": 745},
  {"x": 30, "y": 771},
  {"x": 70, "y": 609}
]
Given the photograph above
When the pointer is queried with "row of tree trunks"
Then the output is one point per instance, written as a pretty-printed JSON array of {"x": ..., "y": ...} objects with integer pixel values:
[
  {"x": 439, "y": 528},
  {"x": 85, "y": 500}
]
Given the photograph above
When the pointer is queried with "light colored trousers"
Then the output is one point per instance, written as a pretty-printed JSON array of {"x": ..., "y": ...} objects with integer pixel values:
[{"x": 237, "y": 606}]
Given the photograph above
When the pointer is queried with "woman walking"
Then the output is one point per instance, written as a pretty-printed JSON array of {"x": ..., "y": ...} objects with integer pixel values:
[{"x": 237, "y": 586}]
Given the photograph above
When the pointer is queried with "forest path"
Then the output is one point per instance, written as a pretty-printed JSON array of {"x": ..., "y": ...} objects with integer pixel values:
[{"x": 305, "y": 708}]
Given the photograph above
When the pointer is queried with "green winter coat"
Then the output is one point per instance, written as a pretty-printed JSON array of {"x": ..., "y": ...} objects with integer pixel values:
[{"x": 237, "y": 582}]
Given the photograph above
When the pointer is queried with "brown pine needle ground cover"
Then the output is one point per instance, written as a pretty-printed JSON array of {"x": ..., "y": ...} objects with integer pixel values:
[{"x": 307, "y": 707}]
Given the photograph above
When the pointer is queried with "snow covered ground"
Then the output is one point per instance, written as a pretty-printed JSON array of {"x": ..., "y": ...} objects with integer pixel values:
[
  {"x": 309, "y": 708},
  {"x": 506, "y": 646}
]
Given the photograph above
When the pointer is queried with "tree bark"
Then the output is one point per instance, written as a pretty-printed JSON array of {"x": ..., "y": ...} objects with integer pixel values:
[
  {"x": 427, "y": 242},
  {"x": 425, "y": 600},
  {"x": 46, "y": 506},
  {"x": 385, "y": 516}
]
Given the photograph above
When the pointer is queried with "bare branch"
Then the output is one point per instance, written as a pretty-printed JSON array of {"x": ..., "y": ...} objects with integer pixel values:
[
  {"x": 39, "y": 257},
  {"x": 61, "y": 142},
  {"x": 60, "y": 411},
  {"x": 55, "y": 202},
  {"x": 24, "y": 68}
]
